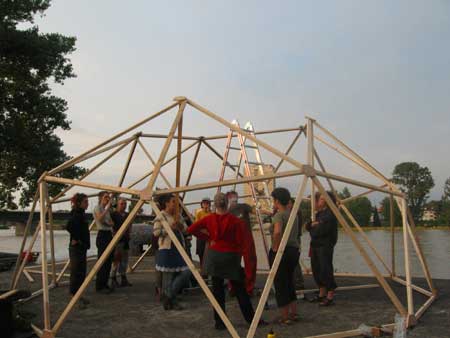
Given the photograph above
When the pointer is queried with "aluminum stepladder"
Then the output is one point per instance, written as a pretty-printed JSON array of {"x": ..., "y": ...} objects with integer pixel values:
[{"x": 245, "y": 144}]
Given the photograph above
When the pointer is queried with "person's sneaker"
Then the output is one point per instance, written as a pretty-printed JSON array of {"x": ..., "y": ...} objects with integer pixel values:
[
  {"x": 220, "y": 326},
  {"x": 125, "y": 282}
]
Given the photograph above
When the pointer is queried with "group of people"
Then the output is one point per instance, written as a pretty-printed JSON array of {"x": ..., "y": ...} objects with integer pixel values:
[
  {"x": 224, "y": 239},
  {"x": 108, "y": 220}
]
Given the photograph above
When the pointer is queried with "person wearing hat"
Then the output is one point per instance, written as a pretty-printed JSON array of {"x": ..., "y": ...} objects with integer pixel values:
[
  {"x": 230, "y": 240},
  {"x": 205, "y": 210}
]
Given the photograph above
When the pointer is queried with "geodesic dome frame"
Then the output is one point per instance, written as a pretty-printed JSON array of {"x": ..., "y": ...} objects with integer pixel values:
[{"x": 310, "y": 173}]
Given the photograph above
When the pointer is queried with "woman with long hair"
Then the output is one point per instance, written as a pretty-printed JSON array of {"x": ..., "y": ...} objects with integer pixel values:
[{"x": 175, "y": 272}]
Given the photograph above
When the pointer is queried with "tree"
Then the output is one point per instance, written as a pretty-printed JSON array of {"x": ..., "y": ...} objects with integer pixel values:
[
  {"x": 416, "y": 182},
  {"x": 386, "y": 212},
  {"x": 29, "y": 114},
  {"x": 361, "y": 209},
  {"x": 446, "y": 196},
  {"x": 376, "y": 218}
]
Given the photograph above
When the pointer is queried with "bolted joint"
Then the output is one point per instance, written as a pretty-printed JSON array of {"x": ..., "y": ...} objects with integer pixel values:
[
  {"x": 139, "y": 134},
  {"x": 309, "y": 170},
  {"x": 146, "y": 195},
  {"x": 42, "y": 178},
  {"x": 180, "y": 98}
]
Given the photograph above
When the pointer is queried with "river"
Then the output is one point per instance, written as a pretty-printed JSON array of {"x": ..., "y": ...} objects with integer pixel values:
[{"x": 435, "y": 245}]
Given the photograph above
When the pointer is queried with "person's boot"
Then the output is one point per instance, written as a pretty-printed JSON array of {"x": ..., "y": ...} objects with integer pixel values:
[
  {"x": 124, "y": 281},
  {"x": 114, "y": 282}
]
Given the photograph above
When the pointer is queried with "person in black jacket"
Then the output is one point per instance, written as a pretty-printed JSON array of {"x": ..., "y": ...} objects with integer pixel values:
[
  {"x": 80, "y": 242},
  {"x": 324, "y": 234}
]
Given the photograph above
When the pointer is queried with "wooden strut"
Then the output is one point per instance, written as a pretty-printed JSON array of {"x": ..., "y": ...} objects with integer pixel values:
[
  {"x": 73, "y": 160},
  {"x": 194, "y": 161},
  {"x": 366, "y": 238},
  {"x": 310, "y": 161},
  {"x": 25, "y": 234},
  {"x": 392, "y": 221},
  {"x": 407, "y": 259},
  {"x": 90, "y": 171},
  {"x": 261, "y": 132},
  {"x": 164, "y": 163},
  {"x": 210, "y": 147},
  {"x": 116, "y": 238},
  {"x": 277, "y": 260},
  {"x": 178, "y": 166},
  {"x": 390, "y": 293},
  {"x": 127, "y": 163},
  {"x": 288, "y": 150},
  {"x": 52, "y": 239},
  {"x": 43, "y": 197}
]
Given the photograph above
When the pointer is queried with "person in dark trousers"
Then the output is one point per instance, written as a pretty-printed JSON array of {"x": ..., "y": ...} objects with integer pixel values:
[
  {"x": 230, "y": 240},
  {"x": 80, "y": 242},
  {"x": 285, "y": 293},
  {"x": 298, "y": 273},
  {"x": 121, "y": 252},
  {"x": 324, "y": 233},
  {"x": 103, "y": 220}
]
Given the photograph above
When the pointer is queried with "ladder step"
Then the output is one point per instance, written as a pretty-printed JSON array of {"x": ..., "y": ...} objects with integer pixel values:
[
  {"x": 235, "y": 148},
  {"x": 256, "y": 163},
  {"x": 232, "y": 165},
  {"x": 251, "y": 147}
]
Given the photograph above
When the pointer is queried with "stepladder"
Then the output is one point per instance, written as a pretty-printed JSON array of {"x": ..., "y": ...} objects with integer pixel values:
[{"x": 243, "y": 156}]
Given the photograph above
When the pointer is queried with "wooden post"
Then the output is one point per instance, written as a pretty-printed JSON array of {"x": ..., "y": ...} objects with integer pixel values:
[
  {"x": 310, "y": 161},
  {"x": 195, "y": 272},
  {"x": 116, "y": 238},
  {"x": 178, "y": 166},
  {"x": 322, "y": 167},
  {"x": 392, "y": 221},
  {"x": 366, "y": 238},
  {"x": 215, "y": 152},
  {"x": 390, "y": 293},
  {"x": 25, "y": 234},
  {"x": 52, "y": 240},
  {"x": 407, "y": 258},
  {"x": 277, "y": 260},
  {"x": 46, "y": 303}
]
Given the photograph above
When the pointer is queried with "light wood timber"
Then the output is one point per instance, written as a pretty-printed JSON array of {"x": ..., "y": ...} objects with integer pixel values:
[
  {"x": 147, "y": 192},
  {"x": 25, "y": 236},
  {"x": 366, "y": 238},
  {"x": 414, "y": 287},
  {"x": 261, "y": 132},
  {"x": 210, "y": 147},
  {"x": 288, "y": 150},
  {"x": 194, "y": 161},
  {"x": 90, "y": 171},
  {"x": 97, "y": 186},
  {"x": 43, "y": 196},
  {"x": 392, "y": 221},
  {"x": 127, "y": 163},
  {"x": 365, "y": 193},
  {"x": 245, "y": 134},
  {"x": 409, "y": 294},
  {"x": 164, "y": 163},
  {"x": 424, "y": 307},
  {"x": 116, "y": 238},
  {"x": 277, "y": 260},
  {"x": 68, "y": 163},
  {"x": 390, "y": 293}
]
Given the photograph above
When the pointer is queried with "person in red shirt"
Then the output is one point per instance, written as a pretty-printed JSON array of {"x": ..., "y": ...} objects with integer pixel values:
[{"x": 230, "y": 240}]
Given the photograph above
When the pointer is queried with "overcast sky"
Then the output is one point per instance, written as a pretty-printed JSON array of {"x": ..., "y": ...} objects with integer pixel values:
[{"x": 375, "y": 73}]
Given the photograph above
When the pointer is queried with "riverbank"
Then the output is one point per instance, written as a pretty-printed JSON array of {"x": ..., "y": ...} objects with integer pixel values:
[{"x": 134, "y": 313}]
